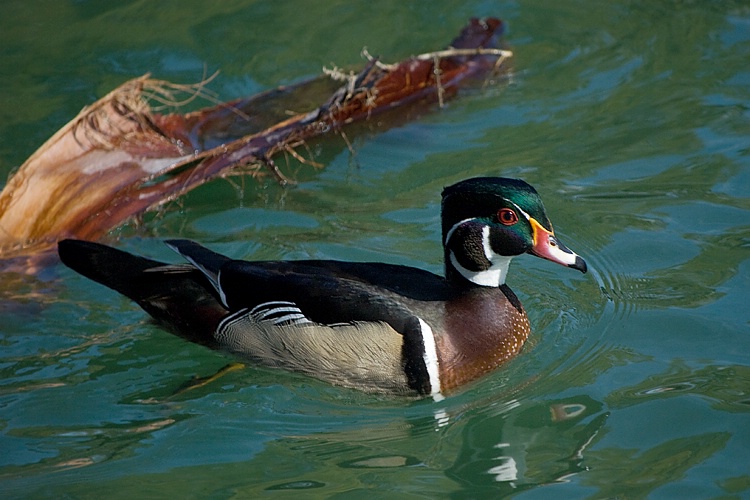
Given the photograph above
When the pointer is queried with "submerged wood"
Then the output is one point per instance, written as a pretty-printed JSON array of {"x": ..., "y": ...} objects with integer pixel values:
[{"x": 119, "y": 157}]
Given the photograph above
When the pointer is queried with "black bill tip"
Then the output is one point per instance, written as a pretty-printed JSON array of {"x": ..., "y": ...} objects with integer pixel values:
[{"x": 580, "y": 264}]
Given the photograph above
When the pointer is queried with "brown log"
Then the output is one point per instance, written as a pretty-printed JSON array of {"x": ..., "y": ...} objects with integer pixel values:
[{"x": 119, "y": 158}]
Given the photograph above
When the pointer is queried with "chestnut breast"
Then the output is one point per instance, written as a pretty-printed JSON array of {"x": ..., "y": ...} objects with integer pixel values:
[{"x": 484, "y": 327}]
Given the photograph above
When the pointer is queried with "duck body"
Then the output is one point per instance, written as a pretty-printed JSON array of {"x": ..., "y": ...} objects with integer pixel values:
[{"x": 372, "y": 326}]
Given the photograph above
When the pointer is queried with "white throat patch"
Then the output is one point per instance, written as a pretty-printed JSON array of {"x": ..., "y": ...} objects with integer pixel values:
[{"x": 498, "y": 271}]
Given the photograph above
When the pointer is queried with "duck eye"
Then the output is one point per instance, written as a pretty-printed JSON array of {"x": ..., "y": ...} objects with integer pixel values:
[{"x": 507, "y": 217}]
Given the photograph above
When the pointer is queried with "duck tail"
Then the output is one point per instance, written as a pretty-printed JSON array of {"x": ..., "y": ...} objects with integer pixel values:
[
  {"x": 113, "y": 268},
  {"x": 179, "y": 296}
]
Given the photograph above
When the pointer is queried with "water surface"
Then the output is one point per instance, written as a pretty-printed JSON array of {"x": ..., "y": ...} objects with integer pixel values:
[{"x": 630, "y": 118}]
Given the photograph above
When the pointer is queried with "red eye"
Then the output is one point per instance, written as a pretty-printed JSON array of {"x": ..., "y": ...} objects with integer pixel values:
[{"x": 507, "y": 217}]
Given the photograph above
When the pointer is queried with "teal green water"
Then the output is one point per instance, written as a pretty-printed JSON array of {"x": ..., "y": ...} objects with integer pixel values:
[{"x": 632, "y": 119}]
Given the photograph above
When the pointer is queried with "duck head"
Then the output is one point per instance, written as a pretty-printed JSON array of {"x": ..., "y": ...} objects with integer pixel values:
[{"x": 489, "y": 220}]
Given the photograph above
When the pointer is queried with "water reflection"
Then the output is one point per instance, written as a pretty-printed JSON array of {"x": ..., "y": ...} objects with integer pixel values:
[
  {"x": 643, "y": 472},
  {"x": 726, "y": 387},
  {"x": 631, "y": 120}
]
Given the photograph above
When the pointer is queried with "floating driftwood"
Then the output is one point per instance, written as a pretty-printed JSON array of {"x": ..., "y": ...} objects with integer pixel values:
[{"x": 119, "y": 157}]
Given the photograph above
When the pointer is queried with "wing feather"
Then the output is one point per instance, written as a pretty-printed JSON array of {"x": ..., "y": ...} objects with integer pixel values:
[{"x": 336, "y": 354}]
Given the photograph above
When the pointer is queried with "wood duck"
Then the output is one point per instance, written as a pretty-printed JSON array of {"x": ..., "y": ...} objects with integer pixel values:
[{"x": 371, "y": 326}]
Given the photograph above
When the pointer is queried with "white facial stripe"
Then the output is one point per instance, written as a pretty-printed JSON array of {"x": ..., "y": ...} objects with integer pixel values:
[
  {"x": 431, "y": 359},
  {"x": 528, "y": 217},
  {"x": 494, "y": 276},
  {"x": 488, "y": 252},
  {"x": 455, "y": 226}
]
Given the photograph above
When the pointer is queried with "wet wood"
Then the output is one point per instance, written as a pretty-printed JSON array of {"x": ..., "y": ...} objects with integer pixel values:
[{"x": 119, "y": 157}]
